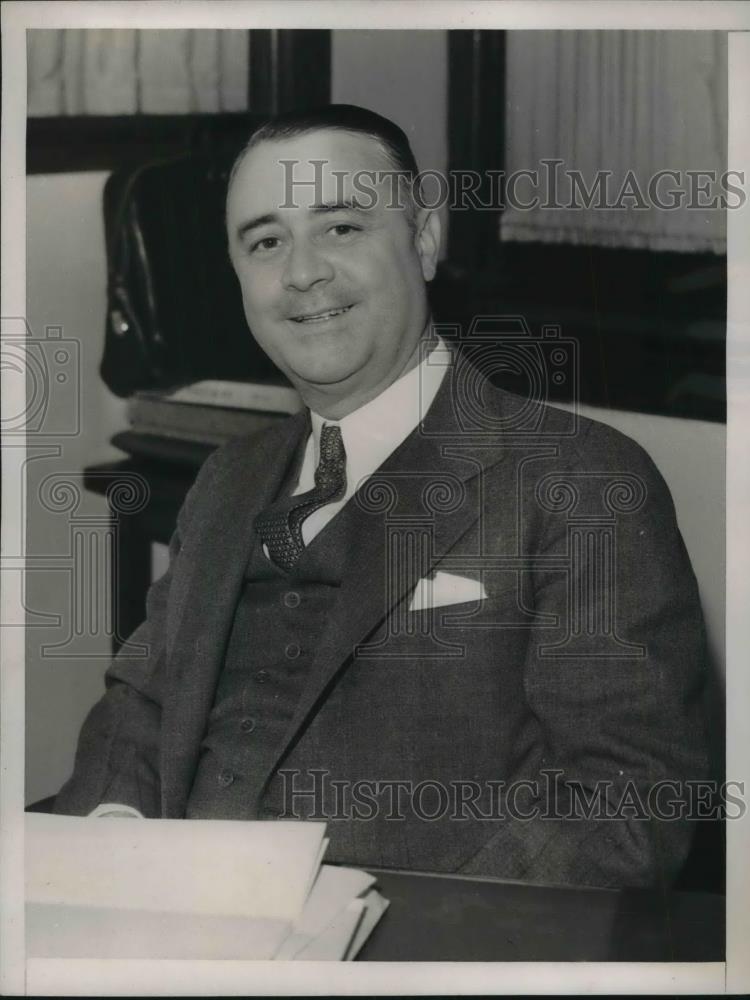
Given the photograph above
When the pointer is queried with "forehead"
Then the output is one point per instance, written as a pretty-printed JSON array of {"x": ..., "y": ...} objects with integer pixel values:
[{"x": 321, "y": 166}]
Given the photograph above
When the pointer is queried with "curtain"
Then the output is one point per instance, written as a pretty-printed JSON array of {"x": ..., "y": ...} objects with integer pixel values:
[
  {"x": 619, "y": 101},
  {"x": 119, "y": 71}
]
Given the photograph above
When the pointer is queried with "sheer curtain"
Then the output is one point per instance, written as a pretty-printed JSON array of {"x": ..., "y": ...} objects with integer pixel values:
[
  {"x": 640, "y": 101},
  {"x": 117, "y": 71}
]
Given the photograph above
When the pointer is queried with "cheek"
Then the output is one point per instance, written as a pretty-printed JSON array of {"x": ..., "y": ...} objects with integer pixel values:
[
  {"x": 259, "y": 292},
  {"x": 398, "y": 283},
  {"x": 383, "y": 270}
]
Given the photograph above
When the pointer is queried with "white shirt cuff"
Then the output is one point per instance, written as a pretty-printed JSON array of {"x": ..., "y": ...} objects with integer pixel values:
[{"x": 116, "y": 809}]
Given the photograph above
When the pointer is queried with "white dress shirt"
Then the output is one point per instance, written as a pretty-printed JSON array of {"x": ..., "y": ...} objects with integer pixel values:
[{"x": 373, "y": 432}]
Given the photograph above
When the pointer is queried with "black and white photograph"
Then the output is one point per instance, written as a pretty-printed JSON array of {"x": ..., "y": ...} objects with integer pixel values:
[{"x": 375, "y": 498}]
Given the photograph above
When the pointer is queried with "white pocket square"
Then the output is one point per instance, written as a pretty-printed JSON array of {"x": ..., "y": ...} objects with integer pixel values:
[{"x": 446, "y": 588}]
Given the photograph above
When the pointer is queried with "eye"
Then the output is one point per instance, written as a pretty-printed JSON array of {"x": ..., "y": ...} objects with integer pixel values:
[
  {"x": 266, "y": 244},
  {"x": 344, "y": 229}
]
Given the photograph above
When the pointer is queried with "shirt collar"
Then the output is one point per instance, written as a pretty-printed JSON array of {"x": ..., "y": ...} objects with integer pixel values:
[{"x": 371, "y": 433}]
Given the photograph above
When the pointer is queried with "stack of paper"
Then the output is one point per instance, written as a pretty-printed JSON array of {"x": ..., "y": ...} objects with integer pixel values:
[{"x": 206, "y": 889}]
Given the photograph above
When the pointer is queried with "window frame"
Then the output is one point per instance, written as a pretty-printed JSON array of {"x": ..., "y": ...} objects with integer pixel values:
[{"x": 280, "y": 78}]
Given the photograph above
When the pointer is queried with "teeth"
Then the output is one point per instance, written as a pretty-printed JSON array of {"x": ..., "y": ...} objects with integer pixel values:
[{"x": 321, "y": 316}]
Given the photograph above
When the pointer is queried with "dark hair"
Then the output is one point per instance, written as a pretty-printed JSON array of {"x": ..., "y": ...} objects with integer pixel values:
[{"x": 345, "y": 118}]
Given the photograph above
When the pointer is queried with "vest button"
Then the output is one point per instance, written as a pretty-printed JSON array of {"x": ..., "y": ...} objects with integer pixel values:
[
  {"x": 261, "y": 677},
  {"x": 292, "y": 599},
  {"x": 225, "y": 777},
  {"x": 247, "y": 725},
  {"x": 292, "y": 651}
]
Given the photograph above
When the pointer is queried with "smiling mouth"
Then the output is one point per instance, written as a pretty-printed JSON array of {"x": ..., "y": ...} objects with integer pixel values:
[{"x": 321, "y": 316}]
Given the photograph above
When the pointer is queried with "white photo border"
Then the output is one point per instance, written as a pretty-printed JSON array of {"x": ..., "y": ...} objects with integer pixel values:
[{"x": 176, "y": 978}]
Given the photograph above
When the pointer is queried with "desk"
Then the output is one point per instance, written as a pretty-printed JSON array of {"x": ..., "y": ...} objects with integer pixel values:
[
  {"x": 445, "y": 918},
  {"x": 452, "y": 919}
]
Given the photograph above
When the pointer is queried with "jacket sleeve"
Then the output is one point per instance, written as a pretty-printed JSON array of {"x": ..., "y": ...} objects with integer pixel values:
[
  {"x": 117, "y": 758},
  {"x": 615, "y": 723}
]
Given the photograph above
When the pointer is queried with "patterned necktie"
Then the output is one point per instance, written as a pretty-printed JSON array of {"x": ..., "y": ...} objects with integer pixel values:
[{"x": 280, "y": 526}]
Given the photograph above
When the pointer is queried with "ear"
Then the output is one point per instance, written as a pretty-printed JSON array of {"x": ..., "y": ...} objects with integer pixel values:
[{"x": 427, "y": 241}]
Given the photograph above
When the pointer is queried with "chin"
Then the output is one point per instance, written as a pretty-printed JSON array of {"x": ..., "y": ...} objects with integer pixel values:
[
  {"x": 322, "y": 374},
  {"x": 326, "y": 365}
]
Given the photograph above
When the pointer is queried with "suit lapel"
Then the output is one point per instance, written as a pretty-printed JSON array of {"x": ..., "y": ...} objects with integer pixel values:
[
  {"x": 222, "y": 538},
  {"x": 397, "y": 527}
]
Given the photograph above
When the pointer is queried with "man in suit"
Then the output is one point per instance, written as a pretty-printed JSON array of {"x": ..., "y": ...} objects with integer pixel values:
[{"x": 457, "y": 624}]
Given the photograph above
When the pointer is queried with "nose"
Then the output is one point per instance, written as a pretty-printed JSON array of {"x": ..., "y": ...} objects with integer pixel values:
[{"x": 305, "y": 266}]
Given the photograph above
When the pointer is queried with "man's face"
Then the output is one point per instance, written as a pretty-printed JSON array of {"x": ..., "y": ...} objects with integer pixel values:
[{"x": 334, "y": 293}]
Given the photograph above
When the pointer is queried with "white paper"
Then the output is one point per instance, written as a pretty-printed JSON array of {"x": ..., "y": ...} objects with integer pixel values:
[
  {"x": 334, "y": 889},
  {"x": 222, "y": 867},
  {"x": 332, "y": 944},
  {"x": 57, "y": 930},
  {"x": 375, "y": 906},
  {"x": 179, "y": 889}
]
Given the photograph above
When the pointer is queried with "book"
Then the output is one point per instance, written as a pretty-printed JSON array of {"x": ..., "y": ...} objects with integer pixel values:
[
  {"x": 164, "y": 449},
  {"x": 204, "y": 423},
  {"x": 191, "y": 889},
  {"x": 210, "y": 412},
  {"x": 257, "y": 396}
]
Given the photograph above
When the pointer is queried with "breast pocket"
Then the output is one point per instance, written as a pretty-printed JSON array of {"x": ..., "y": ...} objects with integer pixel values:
[{"x": 443, "y": 589}]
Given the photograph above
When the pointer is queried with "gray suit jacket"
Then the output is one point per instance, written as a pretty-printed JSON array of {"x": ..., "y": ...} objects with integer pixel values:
[{"x": 580, "y": 673}]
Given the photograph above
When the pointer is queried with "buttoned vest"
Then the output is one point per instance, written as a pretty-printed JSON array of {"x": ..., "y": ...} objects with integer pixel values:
[{"x": 277, "y": 623}]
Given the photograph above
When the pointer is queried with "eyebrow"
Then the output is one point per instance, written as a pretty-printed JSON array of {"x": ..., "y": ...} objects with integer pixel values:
[
  {"x": 348, "y": 205},
  {"x": 256, "y": 223}
]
